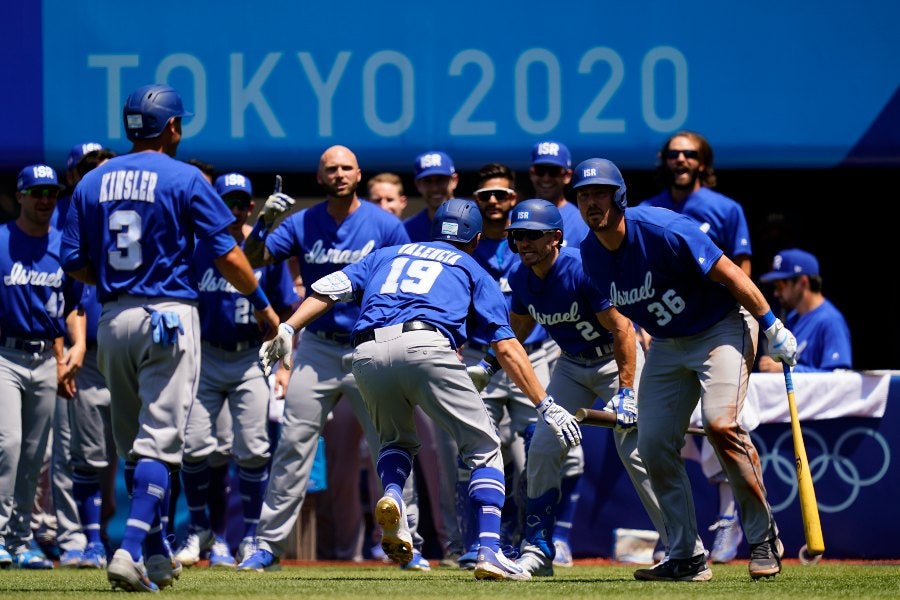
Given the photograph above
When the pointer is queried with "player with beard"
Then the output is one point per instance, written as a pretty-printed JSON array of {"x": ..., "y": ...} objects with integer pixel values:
[{"x": 685, "y": 169}]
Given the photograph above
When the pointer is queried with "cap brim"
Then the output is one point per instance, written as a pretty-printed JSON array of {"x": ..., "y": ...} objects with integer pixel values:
[
  {"x": 429, "y": 172},
  {"x": 776, "y": 275}
]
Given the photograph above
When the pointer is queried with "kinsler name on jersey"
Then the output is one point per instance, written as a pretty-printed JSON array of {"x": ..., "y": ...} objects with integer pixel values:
[
  {"x": 131, "y": 184},
  {"x": 19, "y": 275}
]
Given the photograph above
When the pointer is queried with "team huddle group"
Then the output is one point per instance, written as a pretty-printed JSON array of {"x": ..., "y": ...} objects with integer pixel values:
[{"x": 484, "y": 323}]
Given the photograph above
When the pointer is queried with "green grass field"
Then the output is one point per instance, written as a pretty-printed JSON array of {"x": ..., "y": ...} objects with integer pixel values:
[{"x": 828, "y": 579}]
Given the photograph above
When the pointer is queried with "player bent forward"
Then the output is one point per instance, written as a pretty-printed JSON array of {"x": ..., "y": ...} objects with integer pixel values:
[{"x": 416, "y": 299}]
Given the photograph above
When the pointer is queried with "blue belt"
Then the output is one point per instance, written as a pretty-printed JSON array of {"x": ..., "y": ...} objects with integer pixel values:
[
  {"x": 35, "y": 346},
  {"x": 590, "y": 355},
  {"x": 367, "y": 335},
  {"x": 529, "y": 348},
  {"x": 339, "y": 337},
  {"x": 232, "y": 346}
]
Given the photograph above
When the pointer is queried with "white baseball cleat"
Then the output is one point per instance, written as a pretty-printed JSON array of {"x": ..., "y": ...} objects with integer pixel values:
[
  {"x": 396, "y": 540},
  {"x": 495, "y": 565},
  {"x": 197, "y": 541},
  {"x": 124, "y": 573}
]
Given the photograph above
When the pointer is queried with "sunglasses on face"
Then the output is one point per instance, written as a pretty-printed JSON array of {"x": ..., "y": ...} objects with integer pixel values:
[
  {"x": 544, "y": 170},
  {"x": 501, "y": 194},
  {"x": 239, "y": 203},
  {"x": 688, "y": 154},
  {"x": 532, "y": 235},
  {"x": 42, "y": 192}
]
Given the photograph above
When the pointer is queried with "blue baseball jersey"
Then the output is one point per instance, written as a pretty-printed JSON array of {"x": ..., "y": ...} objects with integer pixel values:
[
  {"x": 226, "y": 315},
  {"x": 58, "y": 218},
  {"x": 91, "y": 306},
  {"x": 658, "y": 277},
  {"x": 720, "y": 217},
  {"x": 496, "y": 257},
  {"x": 418, "y": 226},
  {"x": 135, "y": 219},
  {"x": 429, "y": 281},
  {"x": 324, "y": 247},
  {"x": 574, "y": 227},
  {"x": 36, "y": 294},
  {"x": 564, "y": 302},
  {"x": 823, "y": 339}
]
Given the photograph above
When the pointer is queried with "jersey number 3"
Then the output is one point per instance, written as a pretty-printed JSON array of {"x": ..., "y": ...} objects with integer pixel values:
[
  {"x": 411, "y": 276},
  {"x": 126, "y": 225}
]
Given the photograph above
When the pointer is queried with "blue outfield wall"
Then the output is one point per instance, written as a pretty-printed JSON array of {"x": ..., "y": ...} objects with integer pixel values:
[{"x": 773, "y": 85}]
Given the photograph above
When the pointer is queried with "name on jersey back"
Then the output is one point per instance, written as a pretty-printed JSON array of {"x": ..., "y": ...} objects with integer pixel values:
[{"x": 128, "y": 184}]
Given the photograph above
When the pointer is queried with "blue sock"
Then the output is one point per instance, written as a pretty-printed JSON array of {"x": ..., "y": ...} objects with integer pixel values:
[
  {"x": 128, "y": 477},
  {"x": 252, "y": 483},
  {"x": 565, "y": 510},
  {"x": 86, "y": 490},
  {"x": 151, "y": 480},
  {"x": 217, "y": 499},
  {"x": 394, "y": 466},
  {"x": 195, "y": 476},
  {"x": 487, "y": 492}
]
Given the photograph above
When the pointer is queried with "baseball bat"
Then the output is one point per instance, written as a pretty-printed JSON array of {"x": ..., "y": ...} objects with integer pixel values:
[
  {"x": 809, "y": 509},
  {"x": 592, "y": 416}
]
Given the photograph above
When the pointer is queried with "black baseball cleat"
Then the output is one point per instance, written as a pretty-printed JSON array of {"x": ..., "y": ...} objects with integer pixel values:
[
  {"x": 677, "y": 569},
  {"x": 765, "y": 558}
]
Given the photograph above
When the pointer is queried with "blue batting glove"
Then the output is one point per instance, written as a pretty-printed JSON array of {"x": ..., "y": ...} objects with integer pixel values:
[{"x": 625, "y": 402}]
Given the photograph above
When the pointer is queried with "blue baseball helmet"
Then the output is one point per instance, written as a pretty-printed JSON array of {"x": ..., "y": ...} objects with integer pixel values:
[
  {"x": 149, "y": 108},
  {"x": 599, "y": 171},
  {"x": 536, "y": 214},
  {"x": 456, "y": 220}
]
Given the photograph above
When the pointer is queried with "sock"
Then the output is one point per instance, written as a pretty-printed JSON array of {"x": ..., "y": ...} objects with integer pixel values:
[
  {"x": 394, "y": 466},
  {"x": 565, "y": 510},
  {"x": 726, "y": 500},
  {"x": 150, "y": 482},
  {"x": 195, "y": 476},
  {"x": 86, "y": 490},
  {"x": 252, "y": 483},
  {"x": 217, "y": 499},
  {"x": 486, "y": 493}
]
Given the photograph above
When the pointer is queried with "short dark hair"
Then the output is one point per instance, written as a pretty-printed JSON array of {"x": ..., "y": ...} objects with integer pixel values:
[
  {"x": 494, "y": 171},
  {"x": 206, "y": 168},
  {"x": 92, "y": 160}
]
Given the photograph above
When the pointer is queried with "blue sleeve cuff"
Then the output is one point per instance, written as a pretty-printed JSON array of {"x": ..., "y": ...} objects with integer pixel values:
[
  {"x": 767, "y": 320},
  {"x": 258, "y": 298}
]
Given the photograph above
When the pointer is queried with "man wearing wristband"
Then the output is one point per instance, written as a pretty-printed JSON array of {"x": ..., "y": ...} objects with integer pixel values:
[
  {"x": 668, "y": 277},
  {"x": 131, "y": 230}
]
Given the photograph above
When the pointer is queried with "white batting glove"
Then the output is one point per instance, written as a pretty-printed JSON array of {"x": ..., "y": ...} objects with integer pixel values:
[
  {"x": 782, "y": 343},
  {"x": 276, "y": 204},
  {"x": 624, "y": 404},
  {"x": 560, "y": 421},
  {"x": 279, "y": 347},
  {"x": 481, "y": 374}
]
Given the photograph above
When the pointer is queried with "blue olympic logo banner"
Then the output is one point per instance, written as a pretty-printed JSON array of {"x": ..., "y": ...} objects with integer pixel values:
[{"x": 272, "y": 83}]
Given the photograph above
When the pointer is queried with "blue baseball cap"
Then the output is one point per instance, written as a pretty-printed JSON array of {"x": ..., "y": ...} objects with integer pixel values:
[
  {"x": 233, "y": 182},
  {"x": 790, "y": 263},
  {"x": 551, "y": 153},
  {"x": 434, "y": 163},
  {"x": 34, "y": 176},
  {"x": 78, "y": 151}
]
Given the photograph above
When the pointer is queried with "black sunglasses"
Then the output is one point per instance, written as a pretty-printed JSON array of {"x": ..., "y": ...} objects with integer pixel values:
[
  {"x": 501, "y": 194},
  {"x": 551, "y": 170},
  {"x": 532, "y": 235},
  {"x": 39, "y": 192},
  {"x": 688, "y": 154}
]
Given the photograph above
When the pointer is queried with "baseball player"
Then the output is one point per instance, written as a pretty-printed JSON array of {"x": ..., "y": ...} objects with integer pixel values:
[
  {"x": 339, "y": 231},
  {"x": 386, "y": 190},
  {"x": 131, "y": 231},
  {"x": 600, "y": 357},
  {"x": 416, "y": 299},
  {"x": 685, "y": 169},
  {"x": 229, "y": 376},
  {"x": 37, "y": 303},
  {"x": 436, "y": 180},
  {"x": 701, "y": 309}
]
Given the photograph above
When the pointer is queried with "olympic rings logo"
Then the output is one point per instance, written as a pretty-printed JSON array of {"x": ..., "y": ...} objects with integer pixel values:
[{"x": 781, "y": 459}]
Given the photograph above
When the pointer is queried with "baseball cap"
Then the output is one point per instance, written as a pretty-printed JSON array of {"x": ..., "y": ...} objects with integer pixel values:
[
  {"x": 434, "y": 163},
  {"x": 78, "y": 151},
  {"x": 790, "y": 263},
  {"x": 551, "y": 153},
  {"x": 233, "y": 182},
  {"x": 37, "y": 176}
]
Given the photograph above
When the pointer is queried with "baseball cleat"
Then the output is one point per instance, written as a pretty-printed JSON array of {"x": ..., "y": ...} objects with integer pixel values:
[
  {"x": 124, "y": 573},
  {"x": 195, "y": 543},
  {"x": 535, "y": 561},
  {"x": 495, "y": 565},
  {"x": 5, "y": 557},
  {"x": 728, "y": 538},
  {"x": 396, "y": 541},
  {"x": 677, "y": 569},
  {"x": 31, "y": 558},
  {"x": 220, "y": 555},
  {"x": 418, "y": 563},
  {"x": 259, "y": 561},
  {"x": 246, "y": 548},
  {"x": 765, "y": 558},
  {"x": 163, "y": 569},
  {"x": 467, "y": 561},
  {"x": 563, "y": 557},
  {"x": 71, "y": 559},
  {"x": 94, "y": 557}
]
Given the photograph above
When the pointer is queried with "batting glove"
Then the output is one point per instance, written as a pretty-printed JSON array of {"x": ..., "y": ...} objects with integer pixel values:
[
  {"x": 481, "y": 374},
  {"x": 560, "y": 421},
  {"x": 276, "y": 204},
  {"x": 165, "y": 326},
  {"x": 782, "y": 343},
  {"x": 279, "y": 347},
  {"x": 624, "y": 404}
]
